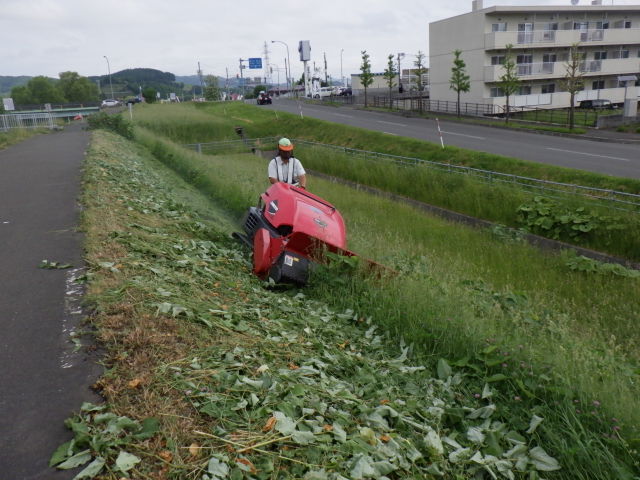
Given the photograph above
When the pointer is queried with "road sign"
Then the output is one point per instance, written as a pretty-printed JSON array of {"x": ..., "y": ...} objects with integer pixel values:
[{"x": 255, "y": 63}]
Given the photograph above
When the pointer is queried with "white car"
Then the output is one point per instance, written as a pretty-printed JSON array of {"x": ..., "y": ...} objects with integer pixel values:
[
  {"x": 110, "y": 102},
  {"x": 324, "y": 92}
]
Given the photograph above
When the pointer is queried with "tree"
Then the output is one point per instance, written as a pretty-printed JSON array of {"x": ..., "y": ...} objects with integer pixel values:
[
  {"x": 419, "y": 71},
  {"x": 390, "y": 75},
  {"x": 77, "y": 89},
  {"x": 37, "y": 91},
  {"x": 509, "y": 81},
  {"x": 149, "y": 94},
  {"x": 211, "y": 90},
  {"x": 366, "y": 77},
  {"x": 573, "y": 81},
  {"x": 459, "y": 79}
]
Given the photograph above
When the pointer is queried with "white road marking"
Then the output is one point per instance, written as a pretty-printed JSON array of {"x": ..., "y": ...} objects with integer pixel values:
[
  {"x": 464, "y": 135},
  {"x": 392, "y": 123},
  {"x": 342, "y": 115},
  {"x": 389, "y": 133},
  {"x": 589, "y": 154}
]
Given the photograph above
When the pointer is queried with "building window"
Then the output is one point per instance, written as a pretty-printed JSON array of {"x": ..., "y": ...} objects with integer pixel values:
[
  {"x": 622, "y": 52},
  {"x": 627, "y": 24},
  {"x": 597, "y": 85},
  {"x": 524, "y": 90},
  {"x": 497, "y": 60},
  {"x": 549, "y": 88},
  {"x": 496, "y": 92},
  {"x": 499, "y": 27},
  {"x": 600, "y": 55}
]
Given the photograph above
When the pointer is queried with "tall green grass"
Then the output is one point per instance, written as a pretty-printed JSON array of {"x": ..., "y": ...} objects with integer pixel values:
[
  {"x": 461, "y": 193},
  {"x": 216, "y": 121},
  {"x": 567, "y": 339}
]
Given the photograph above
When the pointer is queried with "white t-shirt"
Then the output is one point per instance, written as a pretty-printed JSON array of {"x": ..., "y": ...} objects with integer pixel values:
[{"x": 286, "y": 172}]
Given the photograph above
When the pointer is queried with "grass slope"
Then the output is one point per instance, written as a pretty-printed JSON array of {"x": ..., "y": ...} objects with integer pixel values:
[
  {"x": 466, "y": 292},
  {"x": 213, "y": 376}
]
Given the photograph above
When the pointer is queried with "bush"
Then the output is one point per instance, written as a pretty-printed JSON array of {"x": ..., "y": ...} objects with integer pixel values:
[
  {"x": 115, "y": 123},
  {"x": 149, "y": 95}
]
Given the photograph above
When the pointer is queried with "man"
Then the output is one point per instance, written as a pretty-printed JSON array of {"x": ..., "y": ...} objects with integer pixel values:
[{"x": 285, "y": 167}]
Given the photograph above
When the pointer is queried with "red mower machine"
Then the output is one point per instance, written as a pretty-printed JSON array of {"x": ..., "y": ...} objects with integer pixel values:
[{"x": 289, "y": 230}]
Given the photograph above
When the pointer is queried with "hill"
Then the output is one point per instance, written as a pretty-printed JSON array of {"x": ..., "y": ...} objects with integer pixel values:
[{"x": 8, "y": 82}]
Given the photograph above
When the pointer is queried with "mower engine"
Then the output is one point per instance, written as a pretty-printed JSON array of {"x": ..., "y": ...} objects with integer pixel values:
[{"x": 289, "y": 230}]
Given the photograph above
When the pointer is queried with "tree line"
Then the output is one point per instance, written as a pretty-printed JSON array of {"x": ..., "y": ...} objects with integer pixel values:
[{"x": 69, "y": 88}]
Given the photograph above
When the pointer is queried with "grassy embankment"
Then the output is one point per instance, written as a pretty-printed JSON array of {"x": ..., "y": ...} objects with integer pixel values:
[
  {"x": 616, "y": 233},
  {"x": 189, "y": 333},
  {"x": 470, "y": 289},
  {"x": 16, "y": 135}
]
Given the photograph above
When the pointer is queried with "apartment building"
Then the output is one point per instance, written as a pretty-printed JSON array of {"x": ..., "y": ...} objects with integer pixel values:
[{"x": 608, "y": 38}]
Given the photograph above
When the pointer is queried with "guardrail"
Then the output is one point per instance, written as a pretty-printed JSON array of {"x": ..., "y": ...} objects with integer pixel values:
[
  {"x": 444, "y": 106},
  {"x": 26, "y": 120},
  {"x": 606, "y": 198}
]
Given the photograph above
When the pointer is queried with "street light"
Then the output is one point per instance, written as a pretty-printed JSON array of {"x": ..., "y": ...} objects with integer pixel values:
[
  {"x": 341, "y": 75},
  {"x": 271, "y": 65},
  {"x": 109, "y": 71},
  {"x": 400, "y": 87},
  {"x": 289, "y": 79}
]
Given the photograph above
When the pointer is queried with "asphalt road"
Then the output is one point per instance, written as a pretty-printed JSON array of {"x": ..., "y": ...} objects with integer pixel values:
[
  {"x": 42, "y": 379},
  {"x": 622, "y": 160}
]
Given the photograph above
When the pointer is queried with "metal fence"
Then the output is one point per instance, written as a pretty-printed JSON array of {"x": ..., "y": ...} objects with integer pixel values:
[
  {"x": 417, "y": 104},
  {"x": 611, "y": 199},
  {"x": 26, "y": 120}
]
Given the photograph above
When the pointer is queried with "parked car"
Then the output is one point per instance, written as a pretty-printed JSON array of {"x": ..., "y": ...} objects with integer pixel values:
[
  {"x": 132, "y": 100},
  {"x": 264, "y": 98},
  {"x": 324, "y": 92},
  {"x": 600, "y": 104},
  {"x": 346, "y": 91},
  {"x": 110, "y": 102}
]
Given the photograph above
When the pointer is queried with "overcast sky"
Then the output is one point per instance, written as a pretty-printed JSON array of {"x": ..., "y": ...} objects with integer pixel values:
[{"x": 46, "y": 37}]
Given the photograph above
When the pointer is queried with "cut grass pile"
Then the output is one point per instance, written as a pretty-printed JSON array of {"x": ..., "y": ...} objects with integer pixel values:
[
  {"x": 461, "y": 289},
  {"x": 213, "y": 376}
]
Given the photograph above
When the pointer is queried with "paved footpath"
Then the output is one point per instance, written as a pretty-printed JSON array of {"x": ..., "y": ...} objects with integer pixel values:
[{"x": 42, "y": 379}]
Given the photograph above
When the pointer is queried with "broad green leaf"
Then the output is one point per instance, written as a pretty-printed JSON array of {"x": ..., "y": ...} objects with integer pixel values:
[
  {"x": 303, "y": 438},
  {"x": 62, "y": 452},
  {"x": 316, "y": 475},
  {"x": 91, "y": 470},
  {"x": 217, "y": 468},
  {"x": 126, "y": 461},
  {"x": 434, "y": 444},
  {"x": 460, "y": 455},
  {"x": 483, "y": 412},
  {"x": 542, "y": 460},
  {"x": 533, "y": 424},
  {"x": 78, "y": 459},
  {"x": 475, "y": 435},
  {"x": 150, "y": 426},
  {"x": 368, "y": 436},
  {"x": 383, "y": 467},
  {"x": 284, "y": 424},
  {"x": 90, "y": 407},
  {"x": 362, "y": 468},
  {"x": 444, "y": 370},
  {"x": 339, "y": 433}
]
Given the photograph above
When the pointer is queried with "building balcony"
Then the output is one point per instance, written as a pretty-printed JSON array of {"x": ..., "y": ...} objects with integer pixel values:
[
  {"x": 533, "y": 71},
  {"x": 550, "y": 38}
]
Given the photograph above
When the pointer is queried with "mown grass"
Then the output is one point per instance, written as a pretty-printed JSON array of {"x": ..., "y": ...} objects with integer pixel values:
[
  {"x": 460, "y": 193},
  {"x": 460, "y": 290},
  {"x": 191, "y": 338}
]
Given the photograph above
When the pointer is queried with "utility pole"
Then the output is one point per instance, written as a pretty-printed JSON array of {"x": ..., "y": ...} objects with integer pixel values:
[
  {"x": 400, "y": 87},
  {"x": 200, "y": 77},
  {"x": 341, "y": 75},
  {"x": 325, "y": 68},
  {"x": 109, "y": 71},
  {"x": 226, "y": 83},
  {"x": 242, "y": 77}
]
